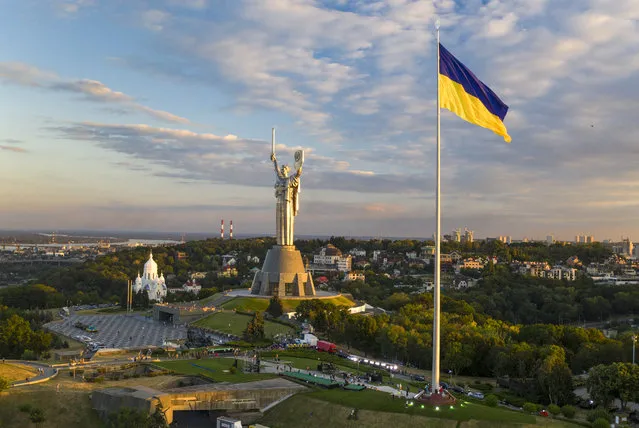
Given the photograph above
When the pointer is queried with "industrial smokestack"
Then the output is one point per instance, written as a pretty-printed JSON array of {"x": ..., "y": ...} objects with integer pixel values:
[{"x": 222, "y": 229}]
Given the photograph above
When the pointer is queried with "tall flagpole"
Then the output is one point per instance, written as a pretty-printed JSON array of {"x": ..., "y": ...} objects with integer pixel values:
[{"x": 438, "y": 234}]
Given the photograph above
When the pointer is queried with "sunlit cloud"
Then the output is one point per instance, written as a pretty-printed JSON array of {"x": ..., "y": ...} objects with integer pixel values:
[{"x": 92, "y": 90}]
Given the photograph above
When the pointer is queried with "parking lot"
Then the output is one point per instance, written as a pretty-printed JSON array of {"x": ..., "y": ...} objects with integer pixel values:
[{"x": 120, "y": 331}]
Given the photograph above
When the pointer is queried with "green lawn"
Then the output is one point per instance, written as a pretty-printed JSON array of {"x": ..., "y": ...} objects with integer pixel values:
[
  {"x": 246, "y": 304},
  {"x": 216, "y": 369},
  {"x": 234, "y": 323},
  {"x": 374, "y": 412},
  {"x": 380, "y": 401},
  {"x": 256, "y": 304}
]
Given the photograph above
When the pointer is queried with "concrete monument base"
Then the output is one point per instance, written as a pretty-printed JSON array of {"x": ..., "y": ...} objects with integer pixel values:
[{"x": 283, "y": 274}]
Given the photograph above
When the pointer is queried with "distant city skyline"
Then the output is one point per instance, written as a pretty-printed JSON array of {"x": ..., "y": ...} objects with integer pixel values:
[
  {"x": 157, "y": 116},
  {"x": 64, "y": 235}
]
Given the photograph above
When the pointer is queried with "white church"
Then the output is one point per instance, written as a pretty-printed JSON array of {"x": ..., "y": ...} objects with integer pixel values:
[{"x": 150, "y": 282}]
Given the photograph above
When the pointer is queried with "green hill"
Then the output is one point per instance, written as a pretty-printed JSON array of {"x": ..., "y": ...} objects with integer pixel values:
[{"x": 331, "y": 408}]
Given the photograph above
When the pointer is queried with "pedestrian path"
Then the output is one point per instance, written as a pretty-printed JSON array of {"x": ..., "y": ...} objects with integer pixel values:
[{"x": 45, "y": 373}]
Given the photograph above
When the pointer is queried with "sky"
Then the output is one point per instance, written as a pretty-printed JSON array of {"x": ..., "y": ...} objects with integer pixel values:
[{"x": 157, "y": 115}]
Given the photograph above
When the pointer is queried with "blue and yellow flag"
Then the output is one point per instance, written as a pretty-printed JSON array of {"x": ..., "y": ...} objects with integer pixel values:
[{"x": 461, "y": 92}]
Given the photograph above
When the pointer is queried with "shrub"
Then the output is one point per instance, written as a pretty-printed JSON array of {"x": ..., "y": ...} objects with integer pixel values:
[
  {"x": 530, "y": 407},
  {"x": 601, "y": 423},
  {"x": 36, "y": 415},
  {"x": 513, "y": 400},
  {"x": 598, "y": 413},
  {"x": 25, "y": 408},
  {"x": 477, "y": 382},
  {"x": 554, "y": 409},
  {"x": 232, "y": 370},
  {"x": 491, "y": 400},
  {"x": 28, "y": 354},
  {"x": 568, "y": 411},
  {"x": 484, "y": 387},
  {"x": 4, "y": 383}
]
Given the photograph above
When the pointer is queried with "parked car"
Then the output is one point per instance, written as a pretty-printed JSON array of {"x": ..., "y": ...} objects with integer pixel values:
[
  {"x": 456, "y": 388},
  {"x": 543, "y": 413},
  {"x": 476, "y": 394},
  {"x": 419, "y": 378},
  {"x": 443, "y": 385},
  {"x": 587, "y": 404}
]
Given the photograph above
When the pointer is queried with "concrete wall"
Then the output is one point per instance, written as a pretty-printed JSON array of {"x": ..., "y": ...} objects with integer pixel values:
[
  {"x": 236, "y": 398},
  {"x": 161, "y": 311}
]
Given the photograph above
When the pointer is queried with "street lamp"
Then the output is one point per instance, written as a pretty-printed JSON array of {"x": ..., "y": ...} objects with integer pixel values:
[{"x": 634, "y": 344}]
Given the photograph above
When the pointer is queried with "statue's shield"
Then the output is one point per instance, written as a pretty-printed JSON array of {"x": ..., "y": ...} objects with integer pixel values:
[{"x": 299, "y": 159}]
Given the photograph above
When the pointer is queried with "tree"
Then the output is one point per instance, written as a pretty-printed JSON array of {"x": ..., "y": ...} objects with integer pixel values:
[
  {"x": 157, "y": 418},
  {"x": 275, "y": 308},
  {"x": 4, "y": 383},
  {"x": 127, "y": 418},
  {"x": 15, "y": 335},
  {"x": 554, "y": 376},
  {"x": 602, "y": 384},
  {"x": 255, "y": 328}
]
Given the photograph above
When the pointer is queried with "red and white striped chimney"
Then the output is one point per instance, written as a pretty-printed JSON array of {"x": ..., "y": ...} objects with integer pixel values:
[
  {"x": 222, "y": 229},
  {"x": 231, "y": 230}
]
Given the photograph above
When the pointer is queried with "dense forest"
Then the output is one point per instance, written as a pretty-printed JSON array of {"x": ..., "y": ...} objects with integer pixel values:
[{"x": 541, "y": 358}]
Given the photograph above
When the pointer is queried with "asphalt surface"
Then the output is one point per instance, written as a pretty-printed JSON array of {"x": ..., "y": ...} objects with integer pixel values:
[{"x": 120, "y": 331}]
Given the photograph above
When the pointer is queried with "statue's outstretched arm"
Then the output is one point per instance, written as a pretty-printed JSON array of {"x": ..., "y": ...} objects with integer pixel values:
[{"x": 277, "y": 169}]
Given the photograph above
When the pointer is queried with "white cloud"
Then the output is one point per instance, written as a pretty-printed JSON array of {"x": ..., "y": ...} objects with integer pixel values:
[
  {"x": 189, "y": 4},
  {"x": 71, "y": 7},
  {"x": 154, "y": 19},
  {"x": 27, "y": 75}
]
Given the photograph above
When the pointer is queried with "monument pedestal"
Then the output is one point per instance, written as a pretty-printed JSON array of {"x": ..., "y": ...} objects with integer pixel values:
[{"x": 283, "y": 274}]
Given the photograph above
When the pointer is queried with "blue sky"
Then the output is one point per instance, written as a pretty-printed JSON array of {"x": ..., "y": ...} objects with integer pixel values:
[{"x": 156, "y": 115}]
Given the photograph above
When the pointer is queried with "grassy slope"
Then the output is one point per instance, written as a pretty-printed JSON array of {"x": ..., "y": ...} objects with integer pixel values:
[
  {"x": 218, "y": 365},
  {"x": 316, "y": 411},
  {"x": 14, "y": 371},
  {"x": 231, "y": 322},
  {"x": 256, "y": 304},
  {"x": 63, "y": 410}
]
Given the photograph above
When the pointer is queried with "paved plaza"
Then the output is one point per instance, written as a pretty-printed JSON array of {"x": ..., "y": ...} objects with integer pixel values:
[{"x": 120, "y": 331}]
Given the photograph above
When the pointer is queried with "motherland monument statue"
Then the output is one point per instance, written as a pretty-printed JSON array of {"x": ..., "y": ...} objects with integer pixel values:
[{"x": 283, "y": 273}]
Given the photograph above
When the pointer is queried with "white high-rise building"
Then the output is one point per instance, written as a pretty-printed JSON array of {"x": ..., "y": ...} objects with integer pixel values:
[{"x": 150, "y": 282}]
